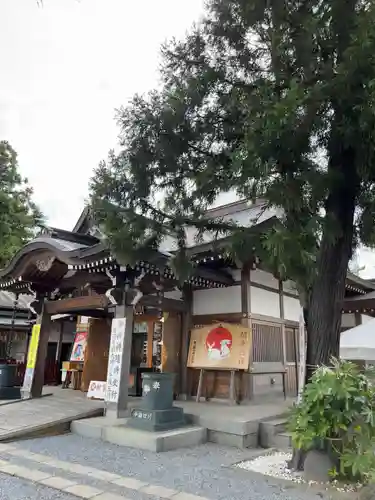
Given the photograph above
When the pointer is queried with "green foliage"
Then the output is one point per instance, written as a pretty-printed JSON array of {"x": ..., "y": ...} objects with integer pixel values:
[
  {"x": 337, "y": 412},
  {"x": 19, "y": 216},
  {"x": 271, "y": 100},
  {"x": 263, "y": 98}
]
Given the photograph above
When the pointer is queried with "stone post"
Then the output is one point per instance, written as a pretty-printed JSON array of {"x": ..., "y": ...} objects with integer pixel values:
[
  {"x": 156, "y": 411},
  {"x": 37, "y": 353},
  {"x": 119, "y": 360}
]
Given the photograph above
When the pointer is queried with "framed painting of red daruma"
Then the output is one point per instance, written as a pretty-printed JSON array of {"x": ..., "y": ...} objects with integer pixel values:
[{"x": 223, "y": 346}]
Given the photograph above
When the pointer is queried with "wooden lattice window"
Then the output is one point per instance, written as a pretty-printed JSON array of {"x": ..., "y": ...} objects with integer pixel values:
[{"x": 267, "y": 343}]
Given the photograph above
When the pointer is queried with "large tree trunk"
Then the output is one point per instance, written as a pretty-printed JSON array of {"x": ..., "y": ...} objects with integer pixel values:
[
  {"x": 322, "y": 316},
  {"x": 324, "y": 319},
  {"x": 324, "y": 309}
]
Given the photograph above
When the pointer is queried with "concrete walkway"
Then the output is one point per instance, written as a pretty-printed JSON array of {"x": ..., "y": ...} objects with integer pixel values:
[{"x": 22, "y": 418}]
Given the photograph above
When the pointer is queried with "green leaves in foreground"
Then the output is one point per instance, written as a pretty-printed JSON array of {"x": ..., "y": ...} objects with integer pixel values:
[{"x": 337, "y": 412}]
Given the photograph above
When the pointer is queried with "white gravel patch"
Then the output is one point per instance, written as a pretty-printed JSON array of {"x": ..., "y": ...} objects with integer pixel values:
[
  {"x": 273, "y": 464},
  {"x": 276, "y": 465}
]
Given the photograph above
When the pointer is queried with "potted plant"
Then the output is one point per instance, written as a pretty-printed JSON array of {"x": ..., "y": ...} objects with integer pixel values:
[{"x": 337, "y": 416}]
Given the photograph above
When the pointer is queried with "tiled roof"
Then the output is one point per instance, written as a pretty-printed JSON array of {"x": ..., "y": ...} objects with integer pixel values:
[{"x": 240, "y": 213}]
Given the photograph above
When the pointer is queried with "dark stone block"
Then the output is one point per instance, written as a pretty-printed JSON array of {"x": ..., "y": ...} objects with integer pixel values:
[
  {"x": 10, "y": 393},
  {"x": 157, "y": 391},
  {"x": 156, "y": 411},
  {"x": 8, "y": 375},
  {"x": 156, "y": 420},
  {"x": 317, "y": 466},
  {"x": 367, "y": 492}
]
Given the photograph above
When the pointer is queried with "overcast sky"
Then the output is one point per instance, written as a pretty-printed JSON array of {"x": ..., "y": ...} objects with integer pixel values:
[{"x": 64, "y": 69}]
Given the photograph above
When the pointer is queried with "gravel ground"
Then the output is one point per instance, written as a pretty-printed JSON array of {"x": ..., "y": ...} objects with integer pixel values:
[
  {"x": 205, "y": 470},
  {"x": 12, "y": 488}
]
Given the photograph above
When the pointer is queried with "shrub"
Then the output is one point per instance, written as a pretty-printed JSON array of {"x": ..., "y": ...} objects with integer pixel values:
[{"x": 337, "y": 414}]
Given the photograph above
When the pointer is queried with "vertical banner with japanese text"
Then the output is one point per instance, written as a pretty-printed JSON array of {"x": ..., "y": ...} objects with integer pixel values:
[
  {"x": 115, "y": 359},
  {"x": 31, "y": 357}
]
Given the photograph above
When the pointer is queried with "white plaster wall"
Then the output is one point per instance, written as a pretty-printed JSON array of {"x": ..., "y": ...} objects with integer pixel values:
[
  {"x": 18, "y": 351},
  {"x": 265, "y": 302},
  {"x": 217, "y": 300},
  {"x": 348, "y": 320},
  {"x": 292, "y": 308},
  {"x": 365, "y": 318},
  {"x": 174, "y": 294},
  {"x": 290, "y": 287},
  {"x": 264, "y": 278},
  {"x": 235, "y": 273}
]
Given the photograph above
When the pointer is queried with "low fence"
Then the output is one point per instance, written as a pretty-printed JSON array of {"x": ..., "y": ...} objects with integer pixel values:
[{"x": 51, "y": 372}]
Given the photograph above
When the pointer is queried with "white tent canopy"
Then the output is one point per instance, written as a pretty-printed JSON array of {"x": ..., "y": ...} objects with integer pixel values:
[{"x": 359, "y": 343}]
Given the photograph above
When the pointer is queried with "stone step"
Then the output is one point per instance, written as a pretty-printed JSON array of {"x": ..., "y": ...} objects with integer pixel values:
[
  {"x": 269, "y": 429},
  {"x": 91, "y": 427},
  {"x": 282, "y": 441},
  {"x": 123, "y": 435}
]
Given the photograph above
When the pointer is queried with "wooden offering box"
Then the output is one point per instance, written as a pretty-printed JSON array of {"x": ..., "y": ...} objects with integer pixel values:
[{"x": 72, "y": 365}]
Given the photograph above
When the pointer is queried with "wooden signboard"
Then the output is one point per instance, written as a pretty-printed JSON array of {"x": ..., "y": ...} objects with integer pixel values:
[
  {"x": 222, "y": 346},
  {"x": 97, "y": 390}
]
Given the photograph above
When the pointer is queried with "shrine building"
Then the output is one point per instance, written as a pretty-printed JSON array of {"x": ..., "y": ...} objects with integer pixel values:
[{"x": 79, "y": 287}]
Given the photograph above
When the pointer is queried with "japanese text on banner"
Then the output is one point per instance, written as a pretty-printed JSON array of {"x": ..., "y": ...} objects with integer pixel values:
[
  {"x": 115, "y": 359},
  {"x": 33, "y": 347}
]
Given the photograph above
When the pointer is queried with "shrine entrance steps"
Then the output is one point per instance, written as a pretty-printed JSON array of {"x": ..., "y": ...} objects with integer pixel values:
[
  {"x": 273, "y": 434},
  {"x": 235, "y": 426},
  {"x": 49, "y": 415},
  {"x": 119, "y": 433}
]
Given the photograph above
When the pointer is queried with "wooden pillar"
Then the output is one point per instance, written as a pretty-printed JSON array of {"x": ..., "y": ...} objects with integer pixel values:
[
  {"x": 59, "y": 343},
  {"x": 186, "y": 325},
  {"x": 117, "y": 393},
  {"x": 246, "y": 317},
  {"x": 282, "y": 316},
  {"x": 28, "y": 338},
  {"x": 246, "y": 296},
  {"x": 283, "y": 334},
  {"x": 37, "y": 354},
  {"x": 95, "y": 366}
]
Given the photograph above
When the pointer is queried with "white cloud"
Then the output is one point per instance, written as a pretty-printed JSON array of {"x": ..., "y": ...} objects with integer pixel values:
[
  {"x": 65, "y": 68},
  {"x": 366, "y": 259}
]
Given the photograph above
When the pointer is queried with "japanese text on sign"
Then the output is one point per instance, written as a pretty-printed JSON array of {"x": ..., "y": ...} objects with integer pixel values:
[
  {"x": 97, "y": 390},
  {"x": 115, "y": 359},
  {"x": 142, "y": 414}
]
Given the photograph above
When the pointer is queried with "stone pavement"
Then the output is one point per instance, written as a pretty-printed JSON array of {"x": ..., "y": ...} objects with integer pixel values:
[{"x": 22, "y": 417}]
